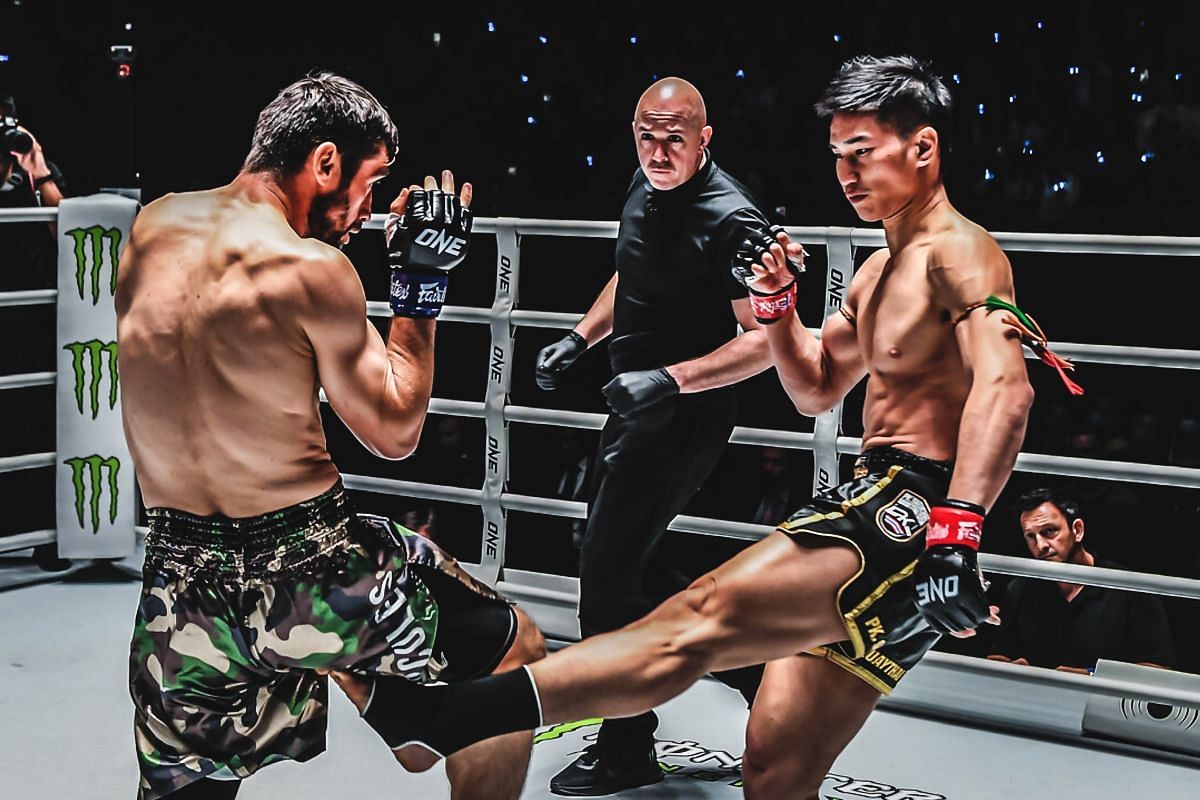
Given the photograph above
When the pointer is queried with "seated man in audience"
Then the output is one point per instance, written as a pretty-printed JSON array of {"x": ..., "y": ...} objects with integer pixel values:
[{"x": 1068, "y": 626}]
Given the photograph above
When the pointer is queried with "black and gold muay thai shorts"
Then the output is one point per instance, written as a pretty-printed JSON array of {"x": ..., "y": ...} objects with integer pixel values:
[
  {"x": 237, "y": 615},
  {"x": 882, "y": 513}
]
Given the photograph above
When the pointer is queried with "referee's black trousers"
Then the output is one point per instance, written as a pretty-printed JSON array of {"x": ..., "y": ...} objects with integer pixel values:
[{"x": 648, "y": 467}]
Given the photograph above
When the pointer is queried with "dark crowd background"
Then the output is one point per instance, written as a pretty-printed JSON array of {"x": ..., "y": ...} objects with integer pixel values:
[{"x": 1068, "y": 119}]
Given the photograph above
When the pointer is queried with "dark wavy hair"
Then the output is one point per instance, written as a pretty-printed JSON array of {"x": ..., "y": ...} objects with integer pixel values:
[
  {"x": 1065, "y": 503},
  {"x": 320, "y": 107},
  {"x": 903, "y": 91}
]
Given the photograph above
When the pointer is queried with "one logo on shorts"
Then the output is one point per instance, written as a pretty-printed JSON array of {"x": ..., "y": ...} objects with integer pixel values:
[
  {"x": 91, "y": 246},
  {"x": 94, "y": 357},
  {"x": 904, "y": 517},
  {"x": 88, "y": 479}
]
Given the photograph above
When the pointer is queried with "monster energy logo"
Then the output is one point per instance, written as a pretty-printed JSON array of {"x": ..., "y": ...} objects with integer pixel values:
[
  {"x": 92, "y": 240},
  {"x": 88, "y": 354},
  {"x": 91, "y": 467}
]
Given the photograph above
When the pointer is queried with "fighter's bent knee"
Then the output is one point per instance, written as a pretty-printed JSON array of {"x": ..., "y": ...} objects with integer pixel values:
[
  {"x": 780, "y": 768},
  {"x": 530, "y": 642},
  {"x": 528, "y": 646},
  {"x": 767, "y": 773}
]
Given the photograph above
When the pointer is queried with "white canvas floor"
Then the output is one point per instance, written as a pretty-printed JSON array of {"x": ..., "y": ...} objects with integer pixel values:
[{"x": 65, "y": 732}]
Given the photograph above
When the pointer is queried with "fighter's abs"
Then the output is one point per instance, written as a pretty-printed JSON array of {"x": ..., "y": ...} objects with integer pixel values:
[{"x": 917, "y": 384}]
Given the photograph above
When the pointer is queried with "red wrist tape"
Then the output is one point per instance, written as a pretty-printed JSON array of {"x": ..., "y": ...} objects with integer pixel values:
[
  {"x": 768, "y": 308},
  {"x": 954, "y": 526}
]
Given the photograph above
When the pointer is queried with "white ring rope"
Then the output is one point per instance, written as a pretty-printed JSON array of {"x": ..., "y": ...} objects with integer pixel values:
[
  {"x": 1092, "y": 576},
  {"x": 425, "y": 491},
  {"x": 1162, "y": 357},
  {"x": 28, "y": 379},
  {"x": 36, "y": 297},
  {"x": 1101, "y": 244},
  {"x": 574, "y": 509},
  {"x": 24, "y": 541},
  {"x": 31, "y": 214},
  {"x": 31, "y": 461},
  {"x": 1087, "y": 684}
]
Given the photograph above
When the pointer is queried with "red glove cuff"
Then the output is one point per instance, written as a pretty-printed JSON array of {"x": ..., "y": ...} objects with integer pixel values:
[
  {"x": 951, "y": 525},
  {"x": 768, "y": 308}
]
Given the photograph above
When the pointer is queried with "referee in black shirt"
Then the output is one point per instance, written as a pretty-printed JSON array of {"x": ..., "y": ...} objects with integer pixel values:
[{"x": 672, "y": 309}]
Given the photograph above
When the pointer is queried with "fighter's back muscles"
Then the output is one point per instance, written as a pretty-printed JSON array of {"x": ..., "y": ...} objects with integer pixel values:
[
  {"x": 214, "y": 425},
  {"x": 203, "y": 275}
]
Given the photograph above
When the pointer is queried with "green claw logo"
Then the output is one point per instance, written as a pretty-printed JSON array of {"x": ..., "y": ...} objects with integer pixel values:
[
  {"x": 91, "y": 467},
  {"x": 85, "y": 355},
  {"x": 92, "y": 240}
]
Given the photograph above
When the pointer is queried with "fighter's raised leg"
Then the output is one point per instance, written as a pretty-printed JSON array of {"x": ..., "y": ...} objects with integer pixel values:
[{"x": 774, "y": 599}]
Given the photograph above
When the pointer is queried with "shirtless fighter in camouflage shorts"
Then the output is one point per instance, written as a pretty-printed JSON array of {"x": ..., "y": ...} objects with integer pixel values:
[{"x": 234, "y": 306}]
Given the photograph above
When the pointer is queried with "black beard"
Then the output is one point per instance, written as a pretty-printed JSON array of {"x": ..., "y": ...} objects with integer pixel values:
[{"x": 320, "y": 226}]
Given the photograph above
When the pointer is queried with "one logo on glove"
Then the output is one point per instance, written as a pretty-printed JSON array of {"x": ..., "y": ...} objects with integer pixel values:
[
  {"x": 904, "y": 517},
  {"x": 441, "y": 241},
  {"x": 399, "y": 289},
  {"x": 432, "y": 233},
  {"x": 937, "y": 590}
]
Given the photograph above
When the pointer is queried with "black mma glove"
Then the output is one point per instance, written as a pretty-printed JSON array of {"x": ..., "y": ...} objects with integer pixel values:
[
  {"x": 424, "y": 243},
  {"x": 553, "y": 359},
  {"x": 948, "y": 583},
  {"x": 768, "y": 306},
  {"x": 632, "y": 391}
]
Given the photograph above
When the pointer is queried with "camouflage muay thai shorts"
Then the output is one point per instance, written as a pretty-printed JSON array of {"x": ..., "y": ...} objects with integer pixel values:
[{"x": 236, "y": 614}]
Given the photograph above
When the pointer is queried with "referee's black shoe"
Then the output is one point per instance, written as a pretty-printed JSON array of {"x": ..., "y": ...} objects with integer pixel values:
[{"x": 602, "y": 771}]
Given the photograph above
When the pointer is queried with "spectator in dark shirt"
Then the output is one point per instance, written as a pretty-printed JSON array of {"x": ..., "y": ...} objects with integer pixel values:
[{"x": 1068, "y": 626}]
